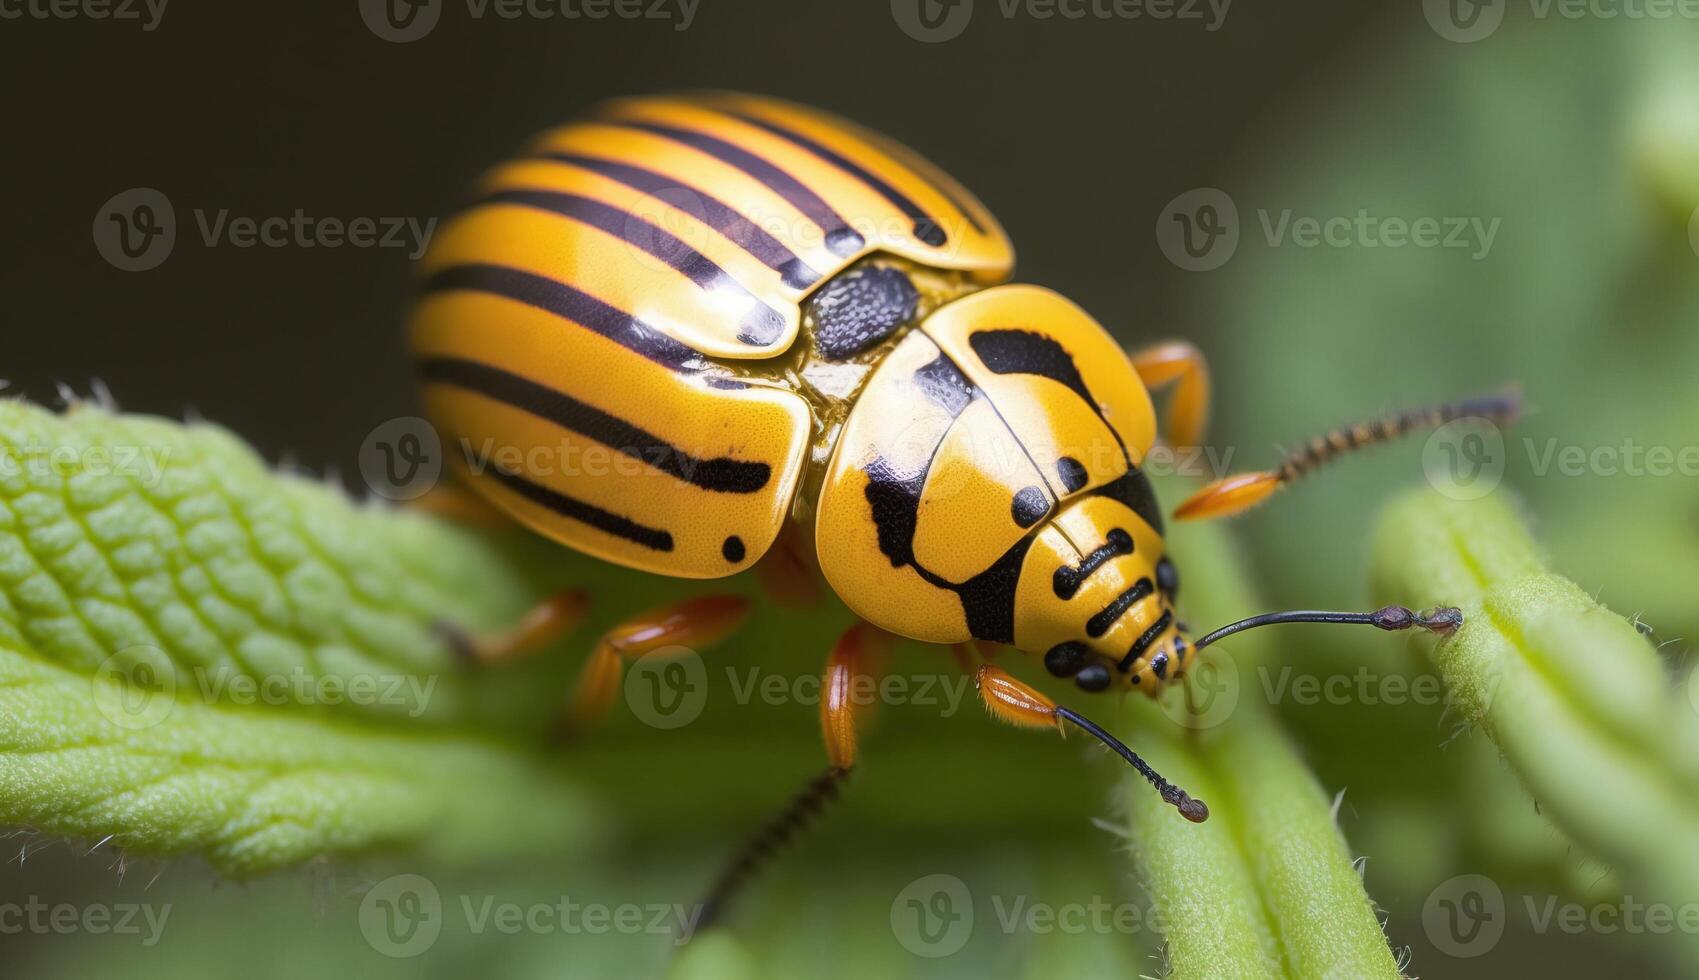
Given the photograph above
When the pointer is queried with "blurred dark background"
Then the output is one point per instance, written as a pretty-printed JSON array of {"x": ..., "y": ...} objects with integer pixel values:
[{"x": 1074, "y": 132}]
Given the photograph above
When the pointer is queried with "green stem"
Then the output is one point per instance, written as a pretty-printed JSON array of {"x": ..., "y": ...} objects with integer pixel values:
[{"x": 1575, "y": 698}]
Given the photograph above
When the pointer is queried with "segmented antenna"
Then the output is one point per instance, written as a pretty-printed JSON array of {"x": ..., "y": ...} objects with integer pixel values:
[{"x": 802, "y": 809}]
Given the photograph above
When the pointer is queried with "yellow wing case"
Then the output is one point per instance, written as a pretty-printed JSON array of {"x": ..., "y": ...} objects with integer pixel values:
[{"x": 574, "y": 312}]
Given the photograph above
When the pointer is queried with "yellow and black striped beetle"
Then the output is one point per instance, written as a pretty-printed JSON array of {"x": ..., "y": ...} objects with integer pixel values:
[{"x": 799, "y": 336}]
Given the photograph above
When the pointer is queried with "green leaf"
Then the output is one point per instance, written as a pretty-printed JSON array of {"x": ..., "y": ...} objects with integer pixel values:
[
  {"x": 199, "y": 656},
  {"x": 1572, "y": 694}
]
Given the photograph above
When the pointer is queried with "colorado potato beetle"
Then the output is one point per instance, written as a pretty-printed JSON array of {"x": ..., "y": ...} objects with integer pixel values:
[{"x": 801, "y": 336}]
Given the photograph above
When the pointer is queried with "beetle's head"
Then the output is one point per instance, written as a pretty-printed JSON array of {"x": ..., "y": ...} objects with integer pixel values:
[{"x": 1097, "y": 593}]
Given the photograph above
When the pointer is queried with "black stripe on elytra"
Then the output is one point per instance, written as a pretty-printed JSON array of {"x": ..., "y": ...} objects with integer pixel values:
[
  {"x": 841, "y": 239},
  {"x": 720, "y": 474},
  {"x": 1144, "y": 641},
  {"x": 926, "y": 228},
  {"x": 1099, "y": 624},
  {"x": 704, "y": 207},
  {"x": 761, "y": 324},
  {"x": 923, "y": 168},
  {"x": 1068, "y": 578},
  {"x": 554, "y": 296},
  {"x": 584, "y": 512}
]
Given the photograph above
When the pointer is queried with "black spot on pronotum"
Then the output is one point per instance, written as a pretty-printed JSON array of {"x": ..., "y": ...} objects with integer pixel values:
[
  {"x": 856, "y": 310},
  {"x": 1065, "y": 659},
  {"x": 1159, "y": 665},
  {"x": 1029, "y": 506},
  {"x": 1072, "y": 473},
  {"x": 1093, "y": 678},
  {"x": 733, "y": 549}
]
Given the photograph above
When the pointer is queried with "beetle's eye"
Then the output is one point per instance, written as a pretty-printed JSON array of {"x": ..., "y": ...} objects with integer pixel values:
[{"x": 1168, "y": 578}]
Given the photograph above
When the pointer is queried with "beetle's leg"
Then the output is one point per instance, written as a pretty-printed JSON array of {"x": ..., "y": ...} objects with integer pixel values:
[
  {"x": 1181, "y": 364},
  {"x": 856, "y": 658},
  {"x": 695, "y": 623},
  {"x": 548, "y": 621},
  {"x": 1243, "y": 491},
  {"x": 1024, "y": 706}
]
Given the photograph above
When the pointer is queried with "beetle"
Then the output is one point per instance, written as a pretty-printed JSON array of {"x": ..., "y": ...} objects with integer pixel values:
[{"x": 796, "y": 341}]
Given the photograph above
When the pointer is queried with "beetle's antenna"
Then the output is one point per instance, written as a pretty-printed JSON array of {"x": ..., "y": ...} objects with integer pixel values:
[
  {"x": 1007, "y": 699},
  {"x": 1190, "y": 808},
  {"x": 796, "y": 815},
  {"x": 1242, "y": 491},
  {"x": 1443, "y": 620}
]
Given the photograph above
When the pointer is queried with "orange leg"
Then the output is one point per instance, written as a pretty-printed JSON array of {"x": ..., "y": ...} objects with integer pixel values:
[
  {"x": 1242, "y": 491},
  {"x": 1181, "y": 364},
  {"x": 846, "y": 690},
  {"x": 696, "y": 623},
  {"x": 1023, "y": 706},
  {"x": 548, "y": 621}
]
